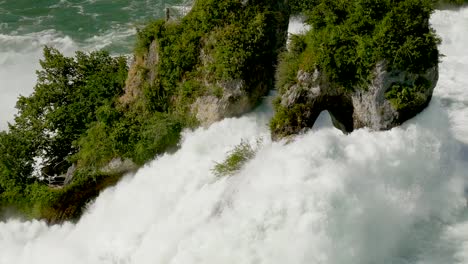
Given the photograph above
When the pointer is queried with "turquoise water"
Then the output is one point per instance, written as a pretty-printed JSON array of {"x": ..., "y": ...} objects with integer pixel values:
[
  {"x": 82, "y": 21},
  {"x": 27, "y": 25}
]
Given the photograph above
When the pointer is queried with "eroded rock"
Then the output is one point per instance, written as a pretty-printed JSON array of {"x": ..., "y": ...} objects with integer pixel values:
[{"x": 350, "y": 109}]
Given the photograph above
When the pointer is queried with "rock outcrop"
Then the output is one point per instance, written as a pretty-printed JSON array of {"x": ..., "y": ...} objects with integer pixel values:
[
  {"x": 236, "y": 58},
  {"x": 119, "y": 166},
  {"x": 368, "y": 64},
  {"x": 141, "y": 71},
  {"x": 350, "y": 109}
]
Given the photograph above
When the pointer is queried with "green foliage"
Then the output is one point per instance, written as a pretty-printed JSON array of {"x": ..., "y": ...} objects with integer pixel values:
[
  {"x": 349, "y": 37},
  {"x": 64, "y": 102},
  {"x": 289, "y": 118},
  {"x": 158, "y": 134},
  {"x": 405, "y": 39},
  {"x": 137, "y": 136},
  {"x": 38, "y": 201},
  {"x": 346, "y": 41},
  {"x": 234, "y": 38},
  {"x": 302, "y": 6},
  {"x": 407, "y": 95},
  {"x": 16, "y": 160},
  {"x": 96, "y": 147},
  {"x": 236, "y": 158},
  {"x": 70, "y": 96},
  {"x": 146, "y": 35},
  {"x": 289, "y": 62}
]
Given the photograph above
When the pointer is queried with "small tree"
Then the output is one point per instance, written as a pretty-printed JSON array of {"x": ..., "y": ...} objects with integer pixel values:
[{"x": 65, "y": 100}]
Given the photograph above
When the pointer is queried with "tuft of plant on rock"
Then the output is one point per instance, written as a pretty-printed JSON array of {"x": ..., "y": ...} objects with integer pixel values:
[{"x": 236, "y": 158}]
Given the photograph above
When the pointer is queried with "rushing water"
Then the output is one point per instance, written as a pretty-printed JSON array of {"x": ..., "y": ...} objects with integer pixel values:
[
  {"x": 27, "y": 25},
  {"x": 324, "y": 198}
]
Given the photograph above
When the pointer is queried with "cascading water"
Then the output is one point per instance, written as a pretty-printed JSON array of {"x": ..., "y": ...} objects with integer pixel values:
[{"x": 368, "y": 197}]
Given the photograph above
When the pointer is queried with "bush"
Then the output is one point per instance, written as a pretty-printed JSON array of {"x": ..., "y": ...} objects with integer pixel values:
[
  {"x": 349, "y": 37},
  {"x": 235, "y": 160},
  {"x": 289, "y": 62},
  {"x": 65, "y": 120},
  {"x": 407, "y": 95},
  {"x": 159, "y": 133},
  {"x": 65, "y": 101},
  {"x": 38, "y": 201}
]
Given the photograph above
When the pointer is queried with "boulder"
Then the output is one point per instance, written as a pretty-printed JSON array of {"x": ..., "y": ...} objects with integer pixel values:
[
  {"x": 370, "y": 106},
  {"x": 119, "y": 166}
]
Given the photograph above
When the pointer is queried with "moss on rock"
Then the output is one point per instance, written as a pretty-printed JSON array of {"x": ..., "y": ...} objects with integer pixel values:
[
  {"x": 369, "y": 63},
  {"x": 216, "y": 62}
]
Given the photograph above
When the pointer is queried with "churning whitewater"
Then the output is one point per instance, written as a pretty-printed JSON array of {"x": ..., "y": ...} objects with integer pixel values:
[{"x": 368, "y": 197}]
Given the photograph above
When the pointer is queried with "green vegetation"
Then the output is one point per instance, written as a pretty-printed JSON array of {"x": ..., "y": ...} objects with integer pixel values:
[
  {"x": 38, "y": 201},
  {"x": 406, "y": 96},
  {"x": 68, "y": 94},
  {"x": 219, "y": 40},
  {"x": 291, "y": 118},
  {"x": 349, "y": 37},
  {"x": 73, "y": 116},
  {"x": 68, "y": 99},
  {"x": 78, "y": 113},
  {"x": 236, "y": 158},
  {"x": 290, "y": 62}
]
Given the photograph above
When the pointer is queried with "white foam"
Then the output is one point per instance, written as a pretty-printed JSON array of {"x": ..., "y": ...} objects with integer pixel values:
[
  {"x": 113, "y": 37},
  {"x": 297, "y": 26},
  {"x": 453, "y": 28}
]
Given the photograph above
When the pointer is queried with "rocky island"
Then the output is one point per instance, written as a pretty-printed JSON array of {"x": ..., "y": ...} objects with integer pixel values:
[{"x": 372, "y": 64}]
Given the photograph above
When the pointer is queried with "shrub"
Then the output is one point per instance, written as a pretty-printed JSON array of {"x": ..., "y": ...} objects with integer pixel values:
[
  {"x": 348, "y": 38},
  {"x": 407, "y": 95},
  {"x": 289, "y": 62},
  {"x": 235, "y": 159},
  {"x": 65, "y": 101}
]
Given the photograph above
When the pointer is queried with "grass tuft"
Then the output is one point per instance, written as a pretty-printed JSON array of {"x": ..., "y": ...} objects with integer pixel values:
[{"x": 236, "y": 158}]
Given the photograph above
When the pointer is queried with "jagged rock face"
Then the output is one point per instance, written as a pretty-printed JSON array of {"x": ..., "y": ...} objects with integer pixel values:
[
  {"x": 234, "y": 101},
  {"x": 373, "y": 110},
  {"x": 354, "y": 108},
  {"x": 240, "y": 95},
  {"x": 137, "y": 76}
]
